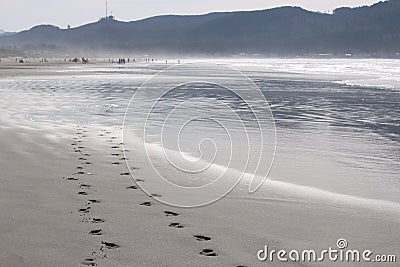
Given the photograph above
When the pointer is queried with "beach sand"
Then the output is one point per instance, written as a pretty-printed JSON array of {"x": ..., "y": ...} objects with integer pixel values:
[{"x": 67, "y": 199}]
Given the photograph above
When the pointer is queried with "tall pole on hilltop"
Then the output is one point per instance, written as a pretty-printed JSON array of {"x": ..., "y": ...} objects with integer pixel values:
[{"x": 106, "y": 10}]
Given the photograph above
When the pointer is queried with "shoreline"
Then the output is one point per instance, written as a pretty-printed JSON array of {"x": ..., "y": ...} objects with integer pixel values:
[
  {"x": 55, "y": 66},
  {"x": 47, "y": 70},
  {"x": 54, "y": 70}
]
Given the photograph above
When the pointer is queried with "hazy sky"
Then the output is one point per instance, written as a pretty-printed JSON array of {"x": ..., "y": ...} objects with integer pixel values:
[{"x": 16, "y": 15}]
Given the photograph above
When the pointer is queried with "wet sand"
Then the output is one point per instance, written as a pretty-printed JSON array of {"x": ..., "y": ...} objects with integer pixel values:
[{"x": 67, "y": 199}]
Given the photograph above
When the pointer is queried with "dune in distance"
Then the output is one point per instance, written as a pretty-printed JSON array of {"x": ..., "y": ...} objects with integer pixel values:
[{"x": 369, "y": 31}]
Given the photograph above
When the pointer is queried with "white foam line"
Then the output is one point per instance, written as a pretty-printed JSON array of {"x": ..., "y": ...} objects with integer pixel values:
[{"x": 307, "y": 192}]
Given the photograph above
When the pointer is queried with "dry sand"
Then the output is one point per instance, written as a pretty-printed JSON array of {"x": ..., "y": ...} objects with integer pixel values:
[
  {"x": 34, "y": 68},
  {"x": 58, "y": 184}
]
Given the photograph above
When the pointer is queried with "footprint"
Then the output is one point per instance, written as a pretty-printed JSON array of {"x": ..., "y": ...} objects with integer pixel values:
[
  {"x": 139, "y": 180},
  {"x": 85, "y": 185},
  {"x": 208, "y": 252},
  {"x": 82, "y": 193},
  {"x": 202, "y": 238},
  {"x": 176, "y": 225},
  {"x": 72, "y": 179},
  {"x": 96, "y": 232},
  {"x": 122, "y": 159},
  {"x": 79, "y": 168},
  {"x": 94, "y": 201},
  {"x": 112, "y": 147},
  {"x": 115, "y": 163},
  {"x": 80, "y": 173},
  {"x": 84, "y": 210},
  {"x": 134, "y": 168},
  {"x": 170, "y": 213},
  {"x": 87, "y": 163},
  {"x": 132, "y": 187},
  {"x": 115, "y": 154},
  {"x": 155, "y": 195},
  {"x": 89, "y": 262},
  {"x": 125, "y": 173},
  {"x": 82, "y": 158},
  {"x": 94, "y": 220},
  {"x": 110, "y": 245},
  {"x": 147, "y": 204}
]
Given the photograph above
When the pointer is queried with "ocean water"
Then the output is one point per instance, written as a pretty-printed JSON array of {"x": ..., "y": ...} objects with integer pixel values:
[{"x": 327, "y": 124}]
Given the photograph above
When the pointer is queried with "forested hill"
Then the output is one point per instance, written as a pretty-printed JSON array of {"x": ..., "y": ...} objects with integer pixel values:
[{"x": 280, "y": 31}]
